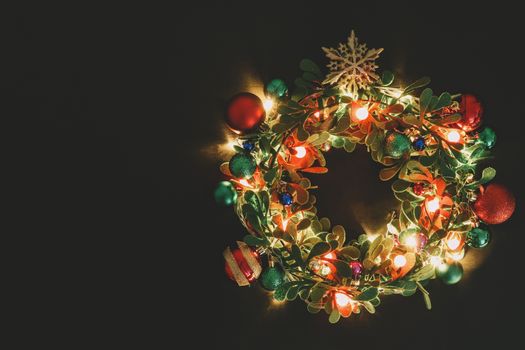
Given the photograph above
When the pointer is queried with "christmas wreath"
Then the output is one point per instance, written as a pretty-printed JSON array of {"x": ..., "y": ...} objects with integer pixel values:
[{"x": 430, "y": 144}]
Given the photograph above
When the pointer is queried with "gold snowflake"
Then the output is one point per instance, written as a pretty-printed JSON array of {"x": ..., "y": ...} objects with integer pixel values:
[{"x": 352, "y": 65}]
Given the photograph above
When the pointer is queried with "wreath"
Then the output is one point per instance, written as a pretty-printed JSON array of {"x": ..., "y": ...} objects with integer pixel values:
[{"x": 430, "y": 144}]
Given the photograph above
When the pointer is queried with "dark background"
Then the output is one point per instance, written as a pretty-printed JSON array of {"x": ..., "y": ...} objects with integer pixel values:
[{"x": 117, "y": 115}]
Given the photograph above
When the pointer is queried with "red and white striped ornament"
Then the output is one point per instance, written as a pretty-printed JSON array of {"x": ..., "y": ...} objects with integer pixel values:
[{"x": 243, "y": 264}]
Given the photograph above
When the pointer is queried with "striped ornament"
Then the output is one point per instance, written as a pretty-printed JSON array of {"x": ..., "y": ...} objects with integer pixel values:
[{"x": 242, "y": 264}]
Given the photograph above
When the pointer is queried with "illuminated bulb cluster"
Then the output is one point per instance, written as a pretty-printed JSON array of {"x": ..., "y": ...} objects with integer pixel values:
[
  {"x": 453, "y": 136},
  {"x": 436, "y": 260},
  {"x": 411, "y": 241},
  {"x": 400, "y": 261},
  {"x": 457, "y": 256},
  {"x": 433, "y": 205},
  {"x": 453, "y": 243},
  {"x": 300, "y": 152},
  {"x": 342, "y": 300},
  {"x": 361, "y": 113},
  {"x": 268, "y": 104}
]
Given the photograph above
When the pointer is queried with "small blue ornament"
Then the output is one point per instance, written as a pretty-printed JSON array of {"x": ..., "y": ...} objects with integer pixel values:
[
  {"x": 248, "y": 146},
  {"x": 285, "y": 198},
  {"x": 419, "y": 144}
]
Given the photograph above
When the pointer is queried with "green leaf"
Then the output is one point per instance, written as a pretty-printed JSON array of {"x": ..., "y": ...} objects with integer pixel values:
[
  {"x": 270, "y": 176},
  {"x": 425, "y": 100},
  {"x": 342, "y": 124},
  {"x": 343, "y": 269},
  {"x": 387, "y": 78},
  {"x": 299, "y": 93},
  {"x": 318, "y": 249},
  {"x": 317, "y": 292},
  {"x": 308, "y": 65},
  {"x": 292, "y": 292},
  {"x": 349, "y": 146},
  {"x": 444, "y": 100},
  {"x": 304, "y": 224},
  {"x": 368, "y": 294},
  {"x": 369, "y": 307},
  {"x": 308, "y": 76},
  {"x": 334, "y": 316},
  {"x": 302, "y": 135},
  {"x": 487, "y": 175},
  {"x": 400, "y": 186},
  {"x": 254, "y": 241},
  {"x": 264, "y": 144},
  {"x": 416, "y": 85},
  {"x": 300, "y": 82},
  {"x": 313, "y": 309},
  {"x": 296, "y": 255},
  {"x": 338, "y": 142},
  {"x": 350, "y": 252},
  {"x": 428, "y": 303}
]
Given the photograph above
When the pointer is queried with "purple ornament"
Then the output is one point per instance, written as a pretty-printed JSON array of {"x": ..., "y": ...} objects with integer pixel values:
[
  {"x": 422, "y": 239},
  {"x": 357, "y": 268}
]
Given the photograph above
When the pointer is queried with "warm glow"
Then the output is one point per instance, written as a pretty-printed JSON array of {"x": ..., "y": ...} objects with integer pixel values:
[
  {"x": 400, "y": 261},
  {"x": 342, "y": 299},
  {"x": 453, "y": 243},
  {"x": 457, "y": 256},
  {"x": 268, "y": 104},
  {"x": 361, "y": 113},
  {"x": 453, "y": 136},
  {"x": 245, "y": 183},
  {"x": 436, "y": 260},
  {"x": 433, "y": 205},
  {"x": 411, "y": 241},
  {"x": 330, "y": 255},
  {"x": 300, "y": 152},
  {"x": 317, "y": 114},
  {"x": 285, "y": 224},
  {"x": 325, "y": 270}
]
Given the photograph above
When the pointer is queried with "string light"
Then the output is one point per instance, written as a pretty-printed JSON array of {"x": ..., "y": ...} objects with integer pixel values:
[
  {"x": 361, "y": 113},
  {"x": 317, "y": 114},
  {"x": 436, "y": 260},
  {"x": 325, "y": 270},
  {"x": 285, "y": 224},
  {"x": 433, "y": 205},
  {"x": 453, "y": 136},
  {"x": 268, "y": 104},
  {"x": 411, "y": 241},
  {"x": 342, "y": 300},
  {"x": 400, "y": 261},
  {"x": 457, "y": 256},
  {"x": 330, "y": 256},
  {"x": 300, "y": 152},
  {"x": 453, "y": 242}
]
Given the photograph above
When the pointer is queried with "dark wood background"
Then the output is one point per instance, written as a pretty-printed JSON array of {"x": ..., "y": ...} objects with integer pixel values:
[{"x": 120, "y": 114}]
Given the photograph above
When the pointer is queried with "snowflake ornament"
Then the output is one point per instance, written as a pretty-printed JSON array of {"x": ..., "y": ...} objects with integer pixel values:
[{"x": 352, "y": 65}]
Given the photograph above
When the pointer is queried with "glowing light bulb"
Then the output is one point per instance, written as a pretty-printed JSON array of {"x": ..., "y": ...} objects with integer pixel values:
[
  {"x": 317, "y": 114},
  {"x": 453, "y": 243},
  {"x": 342, "y": 299},
  {"x": 245, "y": 183},
  {"x": 325, "y": 270},
  {"x": 433, "y": 205},
  {"x": 300, "y": 152},
  {"x": 400, "y": 261},
  {"x": 411, "y": 241},
  {"x": 330, "y": 255},
  {"x": 361, "y": 113},
  {"x": 457, "y": 256},
  {"x": 453, "y": 136},
  {"x": 285, "y": 224},
  {"x": 436, "y": 260},
  {"x": 268, "y": 104}
]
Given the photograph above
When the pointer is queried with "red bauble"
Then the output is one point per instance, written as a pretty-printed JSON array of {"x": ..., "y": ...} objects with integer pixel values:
[
  {"x": 495, "y": 205},
  {"x": 245, "y": 112},
  {"x": 471, "y": 111},
  {"x": 242, "y": 265}
]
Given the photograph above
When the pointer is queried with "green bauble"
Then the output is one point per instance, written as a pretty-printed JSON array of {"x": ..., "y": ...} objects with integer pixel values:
[
  {"x": 396, "y": 144},
  {"x": 487, "y": 137},
  {"x": 277, "y": 88},
  {"x": 478, "y": 237},
  {"x": 225, "y": 194},
  {"x": 450, "y": 274},
  {"x": 272, "y": 278},
  {"x": 242, "y": 165}
]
